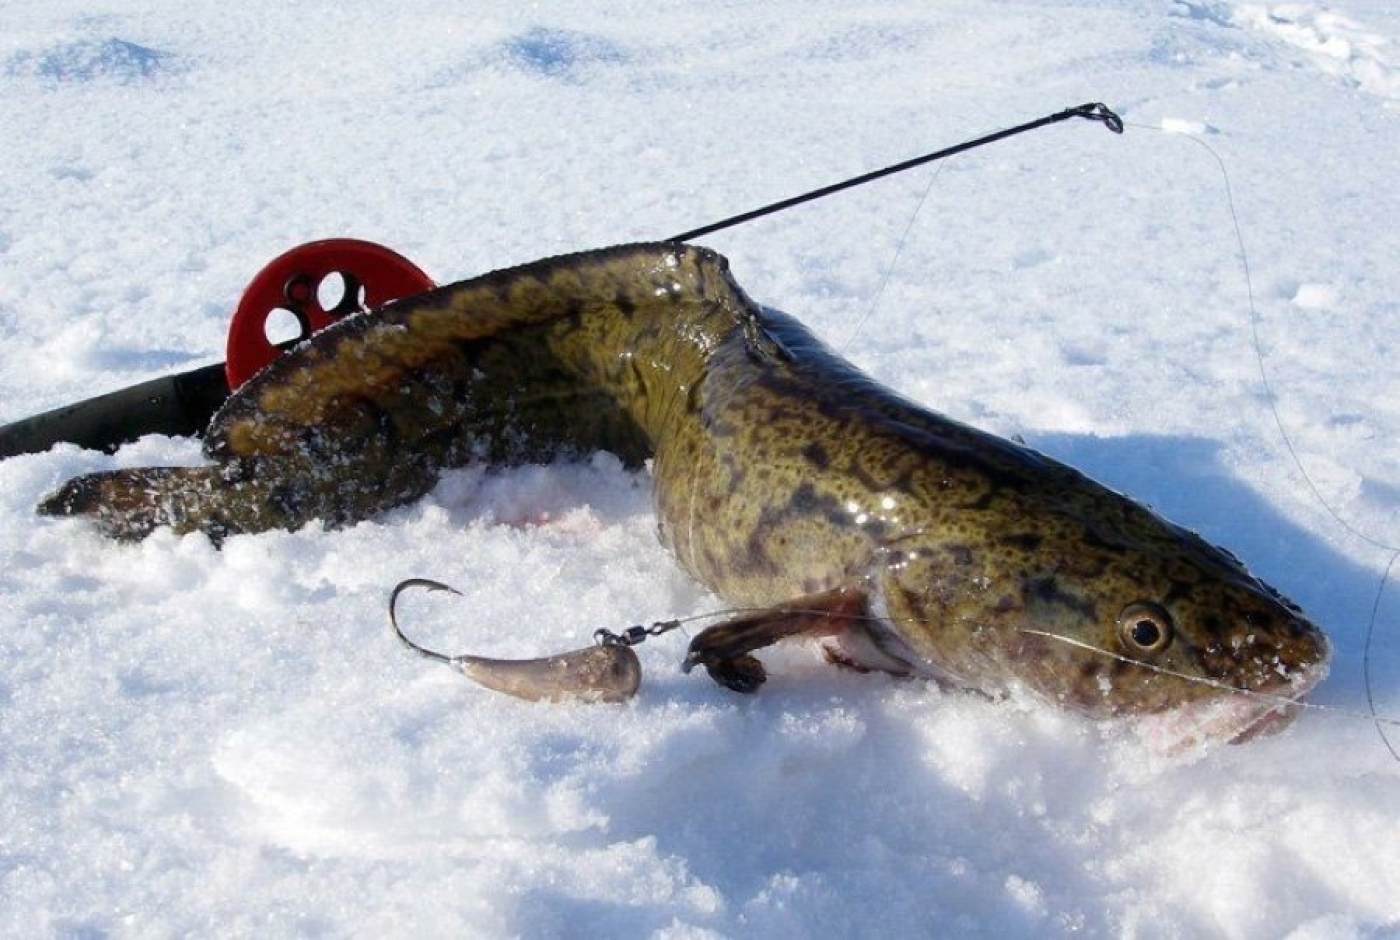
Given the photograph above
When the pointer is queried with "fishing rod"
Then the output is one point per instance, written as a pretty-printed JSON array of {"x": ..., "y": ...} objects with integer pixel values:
[
  {"x": 182, "y": 404},
  {"x": 1094, "y": 111}
]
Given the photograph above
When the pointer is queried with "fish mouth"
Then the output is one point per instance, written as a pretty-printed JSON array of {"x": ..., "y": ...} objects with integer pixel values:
[{"x": 1232, "y": 716}]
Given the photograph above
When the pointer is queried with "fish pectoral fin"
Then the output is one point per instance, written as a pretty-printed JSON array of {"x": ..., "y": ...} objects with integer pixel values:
[
  {"x": 743, "y": 673},
  {"x": 724, "y": 649}
]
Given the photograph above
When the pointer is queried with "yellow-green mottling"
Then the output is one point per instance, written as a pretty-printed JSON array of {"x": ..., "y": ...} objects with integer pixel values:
[{"x": 785, "y": 480}]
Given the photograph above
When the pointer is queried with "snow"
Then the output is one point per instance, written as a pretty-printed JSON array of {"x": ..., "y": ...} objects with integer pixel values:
[{"x": 196, "y": 741}]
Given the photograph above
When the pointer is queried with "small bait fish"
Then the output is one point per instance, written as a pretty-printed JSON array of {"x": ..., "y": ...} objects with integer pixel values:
[{"x": 607, "y": 672}]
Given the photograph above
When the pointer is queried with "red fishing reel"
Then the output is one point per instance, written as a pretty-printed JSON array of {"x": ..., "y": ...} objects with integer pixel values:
[
  {"x": 306, "y": 290},
  {"x": 298, "y": 293}
]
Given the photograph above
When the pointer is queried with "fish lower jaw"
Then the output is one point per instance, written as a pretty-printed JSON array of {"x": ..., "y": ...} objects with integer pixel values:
[{"x": 1229, "y": 717}]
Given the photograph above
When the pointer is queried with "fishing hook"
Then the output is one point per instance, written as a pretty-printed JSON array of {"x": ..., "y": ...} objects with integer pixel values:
[{"x": 606, "y": 672}]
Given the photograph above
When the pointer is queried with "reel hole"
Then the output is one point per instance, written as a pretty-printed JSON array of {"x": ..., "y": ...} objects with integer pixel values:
[
  {"x": 282, "y": 326},
  {"x": 340, "y": 294}
]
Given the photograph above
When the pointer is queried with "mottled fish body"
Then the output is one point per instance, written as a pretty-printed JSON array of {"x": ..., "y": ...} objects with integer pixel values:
[{"x": 786, "y": 480}]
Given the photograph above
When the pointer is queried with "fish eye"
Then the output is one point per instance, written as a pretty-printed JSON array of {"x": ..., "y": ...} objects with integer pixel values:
[{"x": 1145, "y": 627}]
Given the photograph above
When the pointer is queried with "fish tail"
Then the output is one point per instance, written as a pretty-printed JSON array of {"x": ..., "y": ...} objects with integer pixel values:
[{"x": 129, "y": 504}]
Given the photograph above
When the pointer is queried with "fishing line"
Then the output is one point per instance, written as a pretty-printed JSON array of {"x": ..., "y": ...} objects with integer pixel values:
[
  {"x": 894, "y": 259},
  {"x": 1366, "y": 656},
  {"x": 1281, "y": 700},
  {"x": 1092, "y": 111},
  {"x": 1287, "y": 439}
]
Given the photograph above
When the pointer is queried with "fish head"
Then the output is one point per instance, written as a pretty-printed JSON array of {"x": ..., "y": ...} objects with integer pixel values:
[
  {"x": 1134, "y": 618},
  {"x": 1209, "y": 654}
]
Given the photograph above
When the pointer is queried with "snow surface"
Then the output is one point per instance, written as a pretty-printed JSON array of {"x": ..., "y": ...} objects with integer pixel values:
[{"x": 198, "y": 742}]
